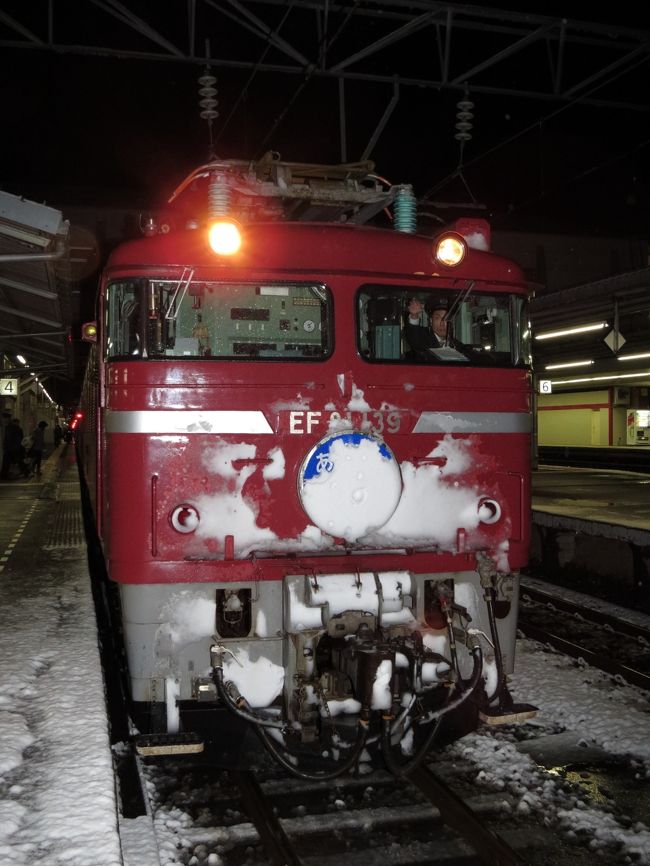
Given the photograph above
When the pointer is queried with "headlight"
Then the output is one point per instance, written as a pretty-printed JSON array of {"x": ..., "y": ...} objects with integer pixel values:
[
  {"x": 225, "y": 237},
  {"x": 450, "y": 249}
]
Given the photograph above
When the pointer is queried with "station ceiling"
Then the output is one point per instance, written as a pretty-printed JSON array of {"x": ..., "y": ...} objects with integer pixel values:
[
  {"x": 35, "y": 292},
  {"x": 418, "y": 44},
  {"x": 595, "y": 335},
  {"x": 506, "y": 109}
]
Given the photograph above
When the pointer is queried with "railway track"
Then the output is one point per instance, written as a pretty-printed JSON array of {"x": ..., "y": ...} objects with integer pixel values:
[
  {"x": 201, "y": 817},
  {"x": 232, "y": 818},
  {"x": 607, "y": 642},
  {"x": 332, "y": 834},
  {"x": 282, "y": 821}
]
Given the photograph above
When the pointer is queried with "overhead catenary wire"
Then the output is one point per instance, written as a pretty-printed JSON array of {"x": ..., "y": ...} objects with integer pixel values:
[
  {"x": 323, "y": 47},
  {"x": 592, "y": 169},
  {"x": 536, "y": 124},
  {"x": 243, "y": 93}
]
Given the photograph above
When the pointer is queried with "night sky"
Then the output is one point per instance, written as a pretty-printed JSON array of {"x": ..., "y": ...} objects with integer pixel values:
[{"x": 100, "y": 130}]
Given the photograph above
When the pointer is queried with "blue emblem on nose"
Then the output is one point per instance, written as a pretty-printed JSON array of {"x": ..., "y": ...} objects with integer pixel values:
[{"x": 320, "y": 460}]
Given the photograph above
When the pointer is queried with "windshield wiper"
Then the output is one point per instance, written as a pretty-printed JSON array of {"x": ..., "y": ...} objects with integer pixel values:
[
  {"x": 182, "y": 286},
  {"x": 460, "y": 298}
]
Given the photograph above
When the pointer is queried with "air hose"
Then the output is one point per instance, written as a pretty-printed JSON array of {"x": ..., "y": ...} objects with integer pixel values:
[
  {"x": 386, "y": 746},
  {"x": 237, "y": 704}
]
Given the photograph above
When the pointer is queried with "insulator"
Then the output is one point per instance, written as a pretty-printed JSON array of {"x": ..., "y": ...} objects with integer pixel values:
[
  {"x": 405, "y": 206},
  {"x": 464, "y": 117},
  {"x": 208, "y": 92},
  {"x": 218, "y": 197}
]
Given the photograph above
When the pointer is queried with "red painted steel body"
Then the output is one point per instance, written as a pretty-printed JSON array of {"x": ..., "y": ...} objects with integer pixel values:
[
  {"x": 142, "y": 476},
  {"x": 281, "y": 480}
]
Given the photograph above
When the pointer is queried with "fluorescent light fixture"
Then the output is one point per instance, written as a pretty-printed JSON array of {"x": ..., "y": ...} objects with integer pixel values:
[
  {"x": 23, "y": 234},
  {"x": 600, "y": 378},
  {"x": 579, "y": 329},
  {"x": 633, "y": 357},
  {"x": 20, "y": 359},
  {"x": 568, "y": 364}
]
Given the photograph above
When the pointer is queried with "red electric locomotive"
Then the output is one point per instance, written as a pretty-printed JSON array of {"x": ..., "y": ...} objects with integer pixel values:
[{"x": 311, "y": 439}]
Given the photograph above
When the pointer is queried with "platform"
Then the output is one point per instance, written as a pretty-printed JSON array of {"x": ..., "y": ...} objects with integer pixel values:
[
  {"x": 628, "y": 458},
  {"x": 591, "y": 532},
  {"x": 616, "y": 503},
  {"x": 58, "y": 799}
]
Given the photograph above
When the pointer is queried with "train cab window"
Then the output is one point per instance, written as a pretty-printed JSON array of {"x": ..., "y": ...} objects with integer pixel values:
[
  {"x": 124, "y": 324},
  {"x": 481, "y": 328},
  {"x": 190, "y": 318}
]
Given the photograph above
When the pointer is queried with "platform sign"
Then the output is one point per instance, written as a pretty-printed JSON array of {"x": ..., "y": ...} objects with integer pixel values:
[
  {"x": 545, "y": 386},
  {"x": 8, "y": 387}
]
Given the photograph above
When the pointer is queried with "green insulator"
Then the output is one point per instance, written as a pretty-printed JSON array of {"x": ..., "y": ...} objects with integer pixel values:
[{"x": 405, "y": 207}]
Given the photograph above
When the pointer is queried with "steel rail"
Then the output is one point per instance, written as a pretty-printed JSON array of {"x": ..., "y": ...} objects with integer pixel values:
[
  {"x": 491, "y": 849},
  {"x": 275, "y": 841},
  {"x": 596, "y": 660},
  {"x": 590, "y": 614}
]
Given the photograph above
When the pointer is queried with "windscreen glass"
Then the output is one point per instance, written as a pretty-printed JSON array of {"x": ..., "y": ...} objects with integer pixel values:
[
  {"x": 464, "y": 327},
  {"x": 148, "y": 318}
]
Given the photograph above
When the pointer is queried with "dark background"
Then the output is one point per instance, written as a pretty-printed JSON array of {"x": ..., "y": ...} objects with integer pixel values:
[{"x": 80, "y": 128}]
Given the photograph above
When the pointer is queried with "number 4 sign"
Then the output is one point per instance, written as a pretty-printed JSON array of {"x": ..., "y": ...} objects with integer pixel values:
[{"x": 8, "y": 387}]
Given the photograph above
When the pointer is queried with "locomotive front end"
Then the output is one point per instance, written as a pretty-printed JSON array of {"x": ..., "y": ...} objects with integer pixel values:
[{"x": 316, "y": 525}]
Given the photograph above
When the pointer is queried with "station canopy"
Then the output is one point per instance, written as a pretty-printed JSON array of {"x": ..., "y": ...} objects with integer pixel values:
[
  {"x": 35, "y": 292},
  {"x": 596, "y": 335}
]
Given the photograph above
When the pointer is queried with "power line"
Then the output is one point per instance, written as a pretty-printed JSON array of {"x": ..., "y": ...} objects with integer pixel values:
[{"x": 536, "y": 124}]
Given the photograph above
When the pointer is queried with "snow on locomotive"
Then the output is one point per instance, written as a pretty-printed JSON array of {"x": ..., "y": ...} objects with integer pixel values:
[{"x": 316, "y": 527}]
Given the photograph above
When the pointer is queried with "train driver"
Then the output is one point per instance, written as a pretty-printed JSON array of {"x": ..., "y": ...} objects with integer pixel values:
[{"x": 437, "y": 335}]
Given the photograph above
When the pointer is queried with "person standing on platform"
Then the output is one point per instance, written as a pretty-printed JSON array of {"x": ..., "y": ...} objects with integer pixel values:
[
  {"x": 35, "y": 453},
  {"x": 13, "y": 451},
  {"x": 58, "y": 434},
  {"x": 5, "y": 421}
]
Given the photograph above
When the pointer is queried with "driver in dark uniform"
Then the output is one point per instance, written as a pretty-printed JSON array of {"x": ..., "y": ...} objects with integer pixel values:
[{"x": 436, "y": 335}]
